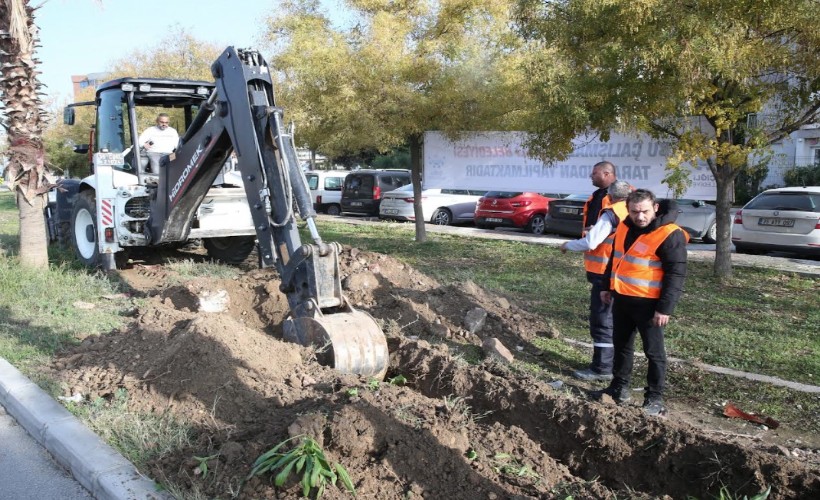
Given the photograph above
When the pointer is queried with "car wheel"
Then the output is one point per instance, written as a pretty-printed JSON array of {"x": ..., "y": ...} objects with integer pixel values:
[
  {"x": 442, "y": 217},
  {"x": 536, "y": 225},
  {"x": 334, "y": 210},
  {"x": 711, "y": 234}
]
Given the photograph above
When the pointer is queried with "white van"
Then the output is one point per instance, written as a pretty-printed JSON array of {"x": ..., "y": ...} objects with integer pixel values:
[{"x": 326, "y": 189}]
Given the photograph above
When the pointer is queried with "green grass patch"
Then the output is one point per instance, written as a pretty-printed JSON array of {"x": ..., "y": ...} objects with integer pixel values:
[
  {"x": 138, "y": 436},
  {"x": 42, "y": 311}
]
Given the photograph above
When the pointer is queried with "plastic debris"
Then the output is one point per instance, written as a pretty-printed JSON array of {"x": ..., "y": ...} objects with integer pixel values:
[{"x": 733, "y": 411}]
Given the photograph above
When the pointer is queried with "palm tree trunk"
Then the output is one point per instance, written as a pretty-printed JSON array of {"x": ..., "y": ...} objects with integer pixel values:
[
  {"x": 18, "y": 88},
  {"x": 33, "y": 235}
]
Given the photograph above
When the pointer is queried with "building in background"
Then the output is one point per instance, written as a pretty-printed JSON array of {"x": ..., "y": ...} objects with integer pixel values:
[{"x": 82, "y": 82}]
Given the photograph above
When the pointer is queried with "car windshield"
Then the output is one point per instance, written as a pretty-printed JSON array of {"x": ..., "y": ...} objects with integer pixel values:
[
  {"x": 577, "y": 197},
  {"x": 802, "y": 202},
  {"x": 501, "y": 194}
]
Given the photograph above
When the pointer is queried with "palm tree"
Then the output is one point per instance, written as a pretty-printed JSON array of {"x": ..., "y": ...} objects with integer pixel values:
[{"x": 23, "y": 121}]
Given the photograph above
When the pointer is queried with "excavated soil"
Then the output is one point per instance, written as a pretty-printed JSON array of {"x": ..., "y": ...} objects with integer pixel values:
[{"x": 453, "y": 430}]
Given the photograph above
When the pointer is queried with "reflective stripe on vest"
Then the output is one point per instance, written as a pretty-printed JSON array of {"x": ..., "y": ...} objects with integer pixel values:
[
  {"x": 595, "y": 261},
  {"x": 638, "y": 272}
]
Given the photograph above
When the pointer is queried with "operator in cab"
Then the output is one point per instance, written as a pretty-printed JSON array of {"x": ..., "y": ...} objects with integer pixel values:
[{"x": 158, "y": 140}]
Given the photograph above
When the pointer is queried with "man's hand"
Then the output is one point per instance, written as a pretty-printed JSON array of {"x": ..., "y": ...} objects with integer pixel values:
[
  {"x": 660, "y": 319},
  {"x": 564, "y": 247},
  {"x": 606, "y": 298}
]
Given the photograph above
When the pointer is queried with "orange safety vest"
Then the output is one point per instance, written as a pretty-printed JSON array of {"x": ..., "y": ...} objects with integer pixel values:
[
  {"x": 638, "y": 272},
  {"x": 596, "y": 260},
  {"x": 606, "y": 202}
]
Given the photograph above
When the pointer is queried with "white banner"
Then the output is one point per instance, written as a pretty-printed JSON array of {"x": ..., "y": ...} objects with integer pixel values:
[{"x": 496, "y": 161}]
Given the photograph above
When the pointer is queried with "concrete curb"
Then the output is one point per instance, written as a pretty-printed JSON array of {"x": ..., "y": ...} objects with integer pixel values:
[{"x": 106, "y": 474}]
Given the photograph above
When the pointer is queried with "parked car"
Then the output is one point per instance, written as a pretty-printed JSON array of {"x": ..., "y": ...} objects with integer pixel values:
[
  {"x": 439, "y": 206},
  {"x": 695, "y": 216},
  {"x": 784, "y": 219},
  {"x": 513, "y": 209},
  {"x": 326, "y": 189},
  {"x": 362, "y": 190},
  {"x": 566, "y": 215}
]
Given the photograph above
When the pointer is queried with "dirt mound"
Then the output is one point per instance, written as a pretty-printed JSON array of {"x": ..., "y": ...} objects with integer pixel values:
[{"x": 453, "y": 430}]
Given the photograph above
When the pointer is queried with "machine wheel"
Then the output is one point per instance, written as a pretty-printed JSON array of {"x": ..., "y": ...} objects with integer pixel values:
[
  {"x": 334, "y": 210},
  {"x": 442, "y": 217},
  {"x": 711, "y": 234},
  {"x": 230, "y": 249},
  {"x": 84, "y": 229},
  {"x": 536, "y": 225}
]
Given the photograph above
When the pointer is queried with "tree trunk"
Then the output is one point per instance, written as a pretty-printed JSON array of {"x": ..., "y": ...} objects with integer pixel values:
[
  {"x": 33, "y": 235},
  {"x": 22, "y": 109},
  {"x": 415, "y": 167},
  {"x": 724, "y": 179}
]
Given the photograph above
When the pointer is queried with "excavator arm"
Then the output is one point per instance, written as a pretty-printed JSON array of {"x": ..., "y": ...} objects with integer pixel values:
[{"x": 241, "y": 115}]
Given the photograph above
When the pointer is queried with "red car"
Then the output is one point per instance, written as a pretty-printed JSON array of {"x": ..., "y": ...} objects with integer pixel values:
[{"x": 509, "y": 209}]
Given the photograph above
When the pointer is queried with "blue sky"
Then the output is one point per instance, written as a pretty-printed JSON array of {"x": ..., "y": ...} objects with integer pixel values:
[{"x": 85, "y": 36}]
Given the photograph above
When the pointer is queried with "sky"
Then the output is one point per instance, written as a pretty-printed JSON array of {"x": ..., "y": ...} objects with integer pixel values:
[{"x": 85, "y": 36}]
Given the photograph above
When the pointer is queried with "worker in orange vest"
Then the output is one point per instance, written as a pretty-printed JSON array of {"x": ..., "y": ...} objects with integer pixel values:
[
  {"x": 647, "y": 271},
  {"x": 597, "y": 247}
]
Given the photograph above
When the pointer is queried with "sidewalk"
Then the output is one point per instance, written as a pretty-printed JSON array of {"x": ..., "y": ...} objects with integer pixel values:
[{"x": 44, "y": 426}]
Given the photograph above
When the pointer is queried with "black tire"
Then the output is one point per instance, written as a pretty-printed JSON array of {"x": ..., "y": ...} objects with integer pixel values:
[
  {"x": 711, "y": 234},
  {"x": 83, "y": 232},
  {"x": 230, "y": 249},
  {"x": 334, "y": 210},
  {"x": 442, "y": 217},
  {"x": 536, "y": 224}
]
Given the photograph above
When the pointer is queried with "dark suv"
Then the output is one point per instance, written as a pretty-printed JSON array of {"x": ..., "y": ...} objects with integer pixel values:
[{"x": 362, "y": 190}]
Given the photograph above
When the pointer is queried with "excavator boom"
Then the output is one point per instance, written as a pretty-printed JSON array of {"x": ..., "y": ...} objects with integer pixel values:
[{"x": 241, "y": 116}]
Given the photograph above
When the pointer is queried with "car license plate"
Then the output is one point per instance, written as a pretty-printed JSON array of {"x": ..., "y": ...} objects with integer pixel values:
[
  {"x": 355, "y": 203},
  {"x": 390, "y": 211},
  {"x": 771, "y": 221},
  {"x": 572, "y": 211},
  {"x": 494, "y": 219}
]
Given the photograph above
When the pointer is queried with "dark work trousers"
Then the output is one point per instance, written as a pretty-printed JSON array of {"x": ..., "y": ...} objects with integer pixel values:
[
  {"x": 629, "y": 314},
  {"x": 600, "y": 327}
]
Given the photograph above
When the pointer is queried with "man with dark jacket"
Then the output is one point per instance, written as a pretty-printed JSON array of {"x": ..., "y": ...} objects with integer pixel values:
[{"x": 646, "y": 275}]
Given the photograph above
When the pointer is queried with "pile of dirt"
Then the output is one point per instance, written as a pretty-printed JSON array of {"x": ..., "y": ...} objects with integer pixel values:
[{"x": 452, "y": 430}]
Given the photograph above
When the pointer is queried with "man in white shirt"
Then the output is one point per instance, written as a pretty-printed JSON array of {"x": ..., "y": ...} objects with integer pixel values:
[
  {"x": 158, "y": 141},
  {"x": 597, "y": 247}
]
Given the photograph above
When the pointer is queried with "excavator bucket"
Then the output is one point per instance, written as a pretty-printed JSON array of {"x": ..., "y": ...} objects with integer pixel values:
[{"x": 350, "y": 342}]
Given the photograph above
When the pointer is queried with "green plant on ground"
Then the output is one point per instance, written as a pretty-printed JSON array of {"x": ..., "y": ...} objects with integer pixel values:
[
  {"x": 373, "y": 384},
  {"x": 202, "y": 465},
  {"x": 506, "y": 464},
  {"x": 397, "y": 380},
  {"x": 307, "y": 459}
]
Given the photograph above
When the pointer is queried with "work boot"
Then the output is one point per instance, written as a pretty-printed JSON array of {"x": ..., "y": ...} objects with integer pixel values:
[
  {"x": 618, "y": 394},
  {"x": 653, "y": 407},
  {"x": 589, "y": 375}
]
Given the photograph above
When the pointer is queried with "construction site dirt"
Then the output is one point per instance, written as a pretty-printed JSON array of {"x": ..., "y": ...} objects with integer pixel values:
[{"x": 445, "y": 428}]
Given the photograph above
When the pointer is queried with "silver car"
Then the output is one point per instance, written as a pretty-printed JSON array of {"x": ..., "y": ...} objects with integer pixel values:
[
  {"x": 439, "y": 206},
  {"x": 783, "y": 219}
]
